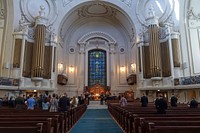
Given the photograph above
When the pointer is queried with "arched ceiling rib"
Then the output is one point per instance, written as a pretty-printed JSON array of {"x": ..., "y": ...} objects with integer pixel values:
[{"x": 97, "y": 10}]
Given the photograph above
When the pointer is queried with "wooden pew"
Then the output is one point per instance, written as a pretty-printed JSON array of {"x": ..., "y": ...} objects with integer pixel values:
[
  {"x": 36, "y": 119},
  {"x": 22, "y": 129},
  {"x": 138, "y": 122},
  {"x": 125, "y": 115},
  {"x": 46, "y": 128},
  {"x": 55, "y": 119},
  {"x": 61, "y": 122},
  {"x": 144, "y": 126},
  {"x": 173, "y": 129}
]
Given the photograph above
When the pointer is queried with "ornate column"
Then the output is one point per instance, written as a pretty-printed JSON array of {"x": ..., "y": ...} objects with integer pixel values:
[
  {"x": 140, "y": 55},
  {"x": 168, "y": 32},
  {"x": 112, "y": 66},
  {"x": 53, "y": 51},
  {"x": 82, "y": 72},
  {"x": 154, "y": 45},
  {"x": 175, "y": 49},
  {"x": 39, "y": 46}
]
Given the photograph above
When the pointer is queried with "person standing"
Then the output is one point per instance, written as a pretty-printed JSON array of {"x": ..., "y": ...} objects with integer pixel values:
[
  {"x": 101, "y": 98},
  {"x": 161, "y": 105},
  {"x": 19, "y": 101},
  {"x": 45, "y": 104},
  {"x": 193, "y": 103},
  {"x": 123, "y": 101},
  {"x": 30, "y": 102},
  {"x": 144, "y": 100},
  {"x": 64, "y": 103},
  {"x": 53, "y": 104},
  {"x": 174, "y": 100},
  {"x": 39, "y": 102}
]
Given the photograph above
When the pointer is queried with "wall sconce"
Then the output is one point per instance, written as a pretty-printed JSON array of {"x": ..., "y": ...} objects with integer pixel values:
[
  {"x": 122, "y": 68},
  {"x": 60, "y": 67},
  {"x": 133, "y": 68},
  {"x": 71, "y": 69}
]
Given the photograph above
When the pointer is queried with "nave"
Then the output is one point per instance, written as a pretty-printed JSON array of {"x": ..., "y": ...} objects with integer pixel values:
[{"x": 96, "y": 121}]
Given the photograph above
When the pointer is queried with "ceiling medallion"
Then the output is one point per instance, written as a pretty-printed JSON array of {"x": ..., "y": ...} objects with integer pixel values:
[{"x": 96, "y": 10}]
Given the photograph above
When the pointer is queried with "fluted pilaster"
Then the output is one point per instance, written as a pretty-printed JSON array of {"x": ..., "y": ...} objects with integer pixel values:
[{"x": 175, "y": 50}]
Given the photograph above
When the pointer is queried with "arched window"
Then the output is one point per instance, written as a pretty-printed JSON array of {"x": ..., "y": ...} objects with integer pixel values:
[{"x": 97, "y": 67}]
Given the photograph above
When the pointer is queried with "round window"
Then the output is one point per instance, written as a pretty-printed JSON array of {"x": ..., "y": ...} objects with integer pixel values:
[
  {"x": 71, "y": 50},
  {"x": 121, "y": 50}
]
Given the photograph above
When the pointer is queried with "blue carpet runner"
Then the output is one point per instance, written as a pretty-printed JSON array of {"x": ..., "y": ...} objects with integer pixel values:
[{"x": 96, "y": 121}]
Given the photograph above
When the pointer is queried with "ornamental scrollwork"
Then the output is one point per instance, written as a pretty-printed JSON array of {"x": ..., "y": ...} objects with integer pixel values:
[{"x": 192, "y": 15}]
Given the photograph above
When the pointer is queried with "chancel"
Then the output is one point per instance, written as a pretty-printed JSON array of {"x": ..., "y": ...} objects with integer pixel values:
[{"x": 90, "y": 54}]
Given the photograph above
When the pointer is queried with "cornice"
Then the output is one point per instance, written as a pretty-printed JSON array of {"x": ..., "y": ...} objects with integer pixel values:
[{"x": 97, "y": 34}]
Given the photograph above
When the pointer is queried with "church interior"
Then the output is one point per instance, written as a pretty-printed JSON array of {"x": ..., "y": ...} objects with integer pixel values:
[
  {"x": 100, "y": 47},
  {"x": 121, "y": 46}
]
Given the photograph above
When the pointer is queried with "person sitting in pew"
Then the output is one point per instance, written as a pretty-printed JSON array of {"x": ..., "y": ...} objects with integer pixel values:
[
  {"x": 193, "y": 103},
  {"x": 161, "y": 105}
]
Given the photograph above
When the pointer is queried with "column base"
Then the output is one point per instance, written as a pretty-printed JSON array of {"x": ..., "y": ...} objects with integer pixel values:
[{"x": 156, "y": 81}]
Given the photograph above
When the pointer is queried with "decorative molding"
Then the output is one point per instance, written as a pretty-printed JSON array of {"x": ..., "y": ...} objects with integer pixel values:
[
  {"x": 192, "y": 15},
  {"x": 71, "y": 50},
  {"x": 50, "y": 10},
  {"x": 90, "y": 10},
  {"x": 66, "y": 2},
  {"x": 96, "y": 34},
  {"x": 163, "y": 9},
  {"x": 2, "y": 9},
  {"x": 2, "y": 13},
  {"x": 121, "y": 50},
  {"x": 127, "y": 2}
]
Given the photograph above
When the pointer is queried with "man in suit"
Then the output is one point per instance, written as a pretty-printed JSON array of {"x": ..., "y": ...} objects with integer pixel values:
[
  {"x": 161, "y": 105},
  {"x": 64, "y": 103},
  {"x": 144, "y": 100},
  {"x": 174, "y": 100},
  {"x": 193, "y": 103}
]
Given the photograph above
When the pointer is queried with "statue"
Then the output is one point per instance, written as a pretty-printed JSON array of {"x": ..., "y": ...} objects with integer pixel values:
[
  {"x": 41, "y": 12},
  {"x": 23, "y": 24},
  {"x": 151, "y": 12}
]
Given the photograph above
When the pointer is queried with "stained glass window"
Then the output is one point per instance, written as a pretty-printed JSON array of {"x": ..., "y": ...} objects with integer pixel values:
[{"x": 97, "y": 67}]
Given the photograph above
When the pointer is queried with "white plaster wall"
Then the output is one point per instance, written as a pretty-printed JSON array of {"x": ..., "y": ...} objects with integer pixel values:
[
  {"x": 189, "y": 38},
  {"x": 65, "y": 10},
  {"x": 7, "y": 40},
  {"x": 121, "y": 31}
]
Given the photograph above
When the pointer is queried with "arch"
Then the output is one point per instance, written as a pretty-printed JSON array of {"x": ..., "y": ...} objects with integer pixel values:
[
  {"x": 96, "y": 34},
  {"x": 62, "y": 28}
]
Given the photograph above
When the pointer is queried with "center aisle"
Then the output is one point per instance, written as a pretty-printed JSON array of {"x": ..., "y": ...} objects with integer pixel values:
[{"x": 96, "y": 121}]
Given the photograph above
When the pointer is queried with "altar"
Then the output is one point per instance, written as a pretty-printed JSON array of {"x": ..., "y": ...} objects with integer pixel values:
[{"x": 95, "y": 91}]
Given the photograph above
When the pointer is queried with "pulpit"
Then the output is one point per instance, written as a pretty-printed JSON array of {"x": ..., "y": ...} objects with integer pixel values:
[
  {"x": 62, "y": 79},
  {"x": 131, "y": 79}
]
